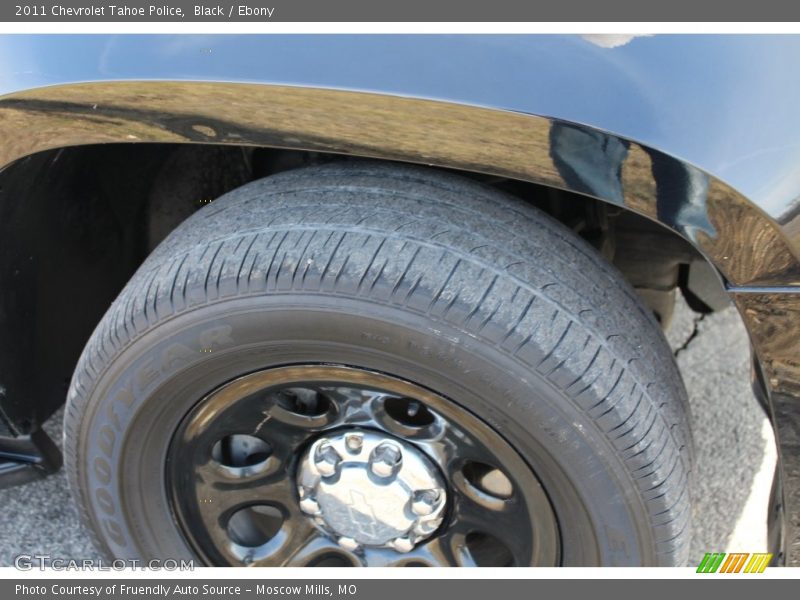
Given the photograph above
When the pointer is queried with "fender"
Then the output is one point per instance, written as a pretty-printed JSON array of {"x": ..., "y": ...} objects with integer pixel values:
[{"x": 704, "y": 138}]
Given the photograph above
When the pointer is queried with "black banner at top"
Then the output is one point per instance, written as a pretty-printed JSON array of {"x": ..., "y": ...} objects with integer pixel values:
[{"x": 49, "y": 11}]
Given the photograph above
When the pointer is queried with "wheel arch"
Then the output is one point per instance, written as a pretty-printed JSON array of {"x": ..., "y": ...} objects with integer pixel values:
[{"x": 741, "y": 243}]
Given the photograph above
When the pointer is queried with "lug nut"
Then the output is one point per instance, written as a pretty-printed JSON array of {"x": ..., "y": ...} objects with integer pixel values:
[
  {"x": 424, "y": 528},
  {"x": 402, "y": 544},
  {"x": 309, "y": 506},
  {"x": 385, "y": 460},
  {"x": 424, "y": 502},
  {"x": 327, "y": 459},
  {"x": 354, "y": 442},
  {"x": 348, "y": 543}
]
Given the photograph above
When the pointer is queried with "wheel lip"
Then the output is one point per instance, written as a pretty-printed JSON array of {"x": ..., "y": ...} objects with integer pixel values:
[{"x": 342, "y": 375}]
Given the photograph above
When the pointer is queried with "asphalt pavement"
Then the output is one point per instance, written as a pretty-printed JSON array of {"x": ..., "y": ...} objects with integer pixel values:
[{"x": 735, "y": 456}]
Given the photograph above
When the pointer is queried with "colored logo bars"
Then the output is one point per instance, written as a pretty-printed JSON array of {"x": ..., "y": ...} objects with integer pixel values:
[{"x": 719, "y": 562}]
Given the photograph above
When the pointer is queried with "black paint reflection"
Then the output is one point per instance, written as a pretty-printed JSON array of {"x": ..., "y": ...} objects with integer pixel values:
[{"x": 591, "y": 162}]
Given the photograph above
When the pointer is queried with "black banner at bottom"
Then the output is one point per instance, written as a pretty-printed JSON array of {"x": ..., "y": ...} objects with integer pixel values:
[{"x": 386, "y": 589}]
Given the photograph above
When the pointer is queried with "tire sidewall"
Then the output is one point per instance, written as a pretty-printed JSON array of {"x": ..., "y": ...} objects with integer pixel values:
[{"x": 142, "y": 395}]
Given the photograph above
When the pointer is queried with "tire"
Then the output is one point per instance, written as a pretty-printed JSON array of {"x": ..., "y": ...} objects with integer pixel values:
[{"x": 407, "y": 273}]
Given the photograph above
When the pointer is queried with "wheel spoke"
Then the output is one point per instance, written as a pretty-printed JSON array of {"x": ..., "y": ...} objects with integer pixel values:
[
  {"x": 503, "y": 522},
  {"x": 218, "y": 498},
  {"x": 284, "y": 430},
  {"x": 445, "y": 550},
  {"x": 294, "y": 535},
  {"x": 313, "y": 549},
  {"x": 216, "y": 485}
]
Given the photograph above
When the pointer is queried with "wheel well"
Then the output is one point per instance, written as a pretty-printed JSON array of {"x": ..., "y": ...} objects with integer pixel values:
[{"x": 77, "y": 222}]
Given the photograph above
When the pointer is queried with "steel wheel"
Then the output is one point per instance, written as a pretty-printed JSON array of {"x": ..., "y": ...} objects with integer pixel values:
[{"x": 325, "y": 465}]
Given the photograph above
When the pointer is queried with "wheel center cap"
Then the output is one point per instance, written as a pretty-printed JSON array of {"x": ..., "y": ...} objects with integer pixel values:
[{"x": 366, "y": 488}]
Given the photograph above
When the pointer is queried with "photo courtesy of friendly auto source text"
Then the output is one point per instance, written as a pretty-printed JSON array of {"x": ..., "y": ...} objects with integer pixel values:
[
  {"x": 185, "y": 590},
  {"x": 371, "y": 287}
]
